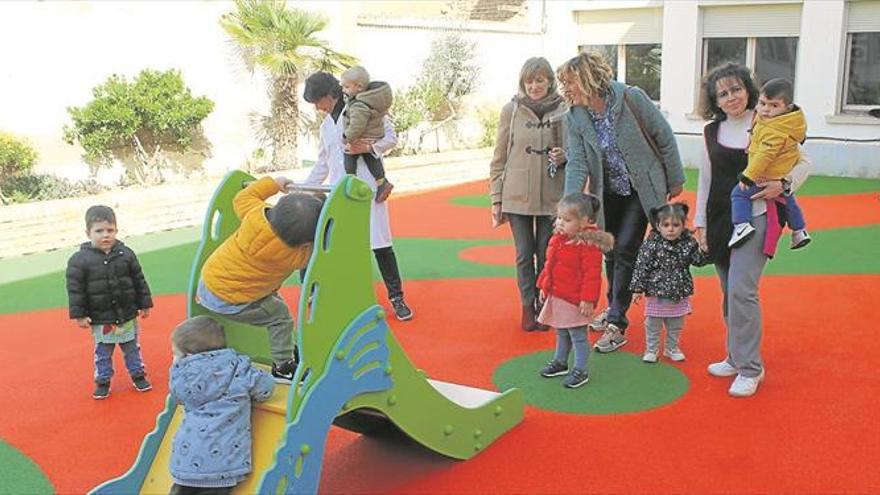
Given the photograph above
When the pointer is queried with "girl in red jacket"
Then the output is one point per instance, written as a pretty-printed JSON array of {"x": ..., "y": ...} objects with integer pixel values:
[{"x": 570, "y": 283}]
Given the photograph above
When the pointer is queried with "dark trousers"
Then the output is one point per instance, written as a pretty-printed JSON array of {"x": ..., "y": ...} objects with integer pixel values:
[
  {"x": 374, "y": 164},
  {"x": 194, "y": 490},
  {"x": 387, "y": 262},
  {"x": 626, "y": 221},
  {"x": 530, "y": 237}
]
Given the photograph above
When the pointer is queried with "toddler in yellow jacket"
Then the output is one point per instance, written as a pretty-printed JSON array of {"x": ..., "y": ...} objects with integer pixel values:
[
  {"x": 778, "y": 130},
  {"x": 241, "y": 278}
]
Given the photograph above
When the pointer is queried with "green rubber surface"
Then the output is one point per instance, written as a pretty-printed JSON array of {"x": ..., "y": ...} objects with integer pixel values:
[
  {"x": 603, "y": 393},
  {"x": 19, "y": 475}
]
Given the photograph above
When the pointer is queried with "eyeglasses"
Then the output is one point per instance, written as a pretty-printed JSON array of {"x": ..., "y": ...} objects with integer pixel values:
[{"x": 727, "y": 93}]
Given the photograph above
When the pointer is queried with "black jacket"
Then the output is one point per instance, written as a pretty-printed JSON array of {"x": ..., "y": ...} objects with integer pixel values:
[
  {"x": 108, "y": 288},
  {"x": 663, "y": 267}
]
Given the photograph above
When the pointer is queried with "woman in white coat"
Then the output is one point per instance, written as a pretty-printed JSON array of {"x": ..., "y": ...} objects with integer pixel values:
[{"x": 325, "y": 93}]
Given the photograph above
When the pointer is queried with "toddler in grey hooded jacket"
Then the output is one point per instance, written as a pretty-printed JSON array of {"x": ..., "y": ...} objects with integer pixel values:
[{"x": 212, "y": 447}]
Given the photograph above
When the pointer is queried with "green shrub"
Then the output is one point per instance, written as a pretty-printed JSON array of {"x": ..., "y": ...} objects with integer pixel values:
[
  {"x": 16, "y": 156},
  {"x": 139, "y": 123},
  {"x": 40, "y": 187},
  {"x": 489, "y": 120}
]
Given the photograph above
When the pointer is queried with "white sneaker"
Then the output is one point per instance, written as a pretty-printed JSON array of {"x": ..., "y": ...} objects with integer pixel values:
[
  {"x": 800, "y": 238},
  {"x": 600, "y": 322},
  {"x": 745, "y": 387},
  {"x": 674, "y": 354},
  {"x": 649, "y": 356},
  {"x": 741, "y": 233},
  {"x": 721, "y": 368}
]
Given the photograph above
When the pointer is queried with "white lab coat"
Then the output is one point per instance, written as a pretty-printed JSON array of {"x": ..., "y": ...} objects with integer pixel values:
[{"x": 330, "y": 167}]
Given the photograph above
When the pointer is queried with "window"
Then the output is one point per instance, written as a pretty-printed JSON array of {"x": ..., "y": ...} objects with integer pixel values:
[
  {"x": 863, "y": 71},
  {"x": 861, "y": 87},
  {"x": 764, "y": 37},
  {"x": 634, "y": 64},
  {"x": 769, "y": 57}
]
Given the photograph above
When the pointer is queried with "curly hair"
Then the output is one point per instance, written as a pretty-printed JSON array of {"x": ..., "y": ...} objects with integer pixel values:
[
  {"x": 589, "y": 71},
  {"x": 709, "y": 108}
]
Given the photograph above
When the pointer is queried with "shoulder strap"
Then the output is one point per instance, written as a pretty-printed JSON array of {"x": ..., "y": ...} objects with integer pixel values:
[{"x": 641, "y": 124}]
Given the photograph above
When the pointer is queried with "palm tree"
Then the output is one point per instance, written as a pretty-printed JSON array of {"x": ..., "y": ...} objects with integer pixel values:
[{"x": 282, "y": 41}]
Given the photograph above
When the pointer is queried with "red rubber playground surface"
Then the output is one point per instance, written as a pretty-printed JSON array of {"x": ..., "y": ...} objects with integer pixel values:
[{"x": 810, "y": 429}]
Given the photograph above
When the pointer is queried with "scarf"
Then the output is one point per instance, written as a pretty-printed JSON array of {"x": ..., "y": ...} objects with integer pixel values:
[{"x": 542, "y": 106}]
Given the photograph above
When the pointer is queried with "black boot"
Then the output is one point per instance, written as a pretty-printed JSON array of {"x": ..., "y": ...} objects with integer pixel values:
[
  {"x": 539, "y": 326},
  {"x": 528, "y": 318}
]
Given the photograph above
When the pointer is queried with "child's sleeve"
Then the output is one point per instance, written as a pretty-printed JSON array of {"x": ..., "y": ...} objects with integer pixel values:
[
  {"x": 543, "y": 282},
  {"x": 591, "y": 272},
  {"x": 640, "y": 271},
  {"x": 254, "y": 196},
  {"x": 358, "y": 115},
  {"x": 141, "y": 287},
  {"x": 261, "y": 385},
  {"x": 77, "y": 299},
  {"x": 761, "y": 156}
]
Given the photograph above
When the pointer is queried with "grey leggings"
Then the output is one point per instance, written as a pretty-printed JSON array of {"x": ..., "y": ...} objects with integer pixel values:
[
  {"x": 654, "y": 327},
  {"x": 741, "y": 306}
]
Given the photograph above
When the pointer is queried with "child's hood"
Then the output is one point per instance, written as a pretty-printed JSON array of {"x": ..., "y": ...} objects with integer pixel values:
[
  {"x": 377, "y": 95},
  {"x": 792, "y": 124},
  {"x": 599, "y": 238},
  {"x": 204, "y": 377}
]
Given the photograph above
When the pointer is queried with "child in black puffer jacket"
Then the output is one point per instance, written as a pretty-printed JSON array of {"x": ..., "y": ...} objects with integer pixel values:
[
  {"x": 662, "y": 273},
  {"x": 106, "y": 292}
]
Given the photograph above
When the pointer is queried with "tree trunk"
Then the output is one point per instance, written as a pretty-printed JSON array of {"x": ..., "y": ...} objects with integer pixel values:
[{"x": 285, "y": 113}]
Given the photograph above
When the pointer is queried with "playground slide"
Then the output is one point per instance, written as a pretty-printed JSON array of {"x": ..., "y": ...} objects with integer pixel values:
[{"x": 352, "y": 370}]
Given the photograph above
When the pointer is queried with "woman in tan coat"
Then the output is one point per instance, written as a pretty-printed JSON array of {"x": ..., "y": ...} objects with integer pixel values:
[{"x": 525, "y": 181}]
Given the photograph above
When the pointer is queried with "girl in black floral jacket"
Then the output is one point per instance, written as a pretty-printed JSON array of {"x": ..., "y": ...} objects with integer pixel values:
[{"x": 662, "y": 274}]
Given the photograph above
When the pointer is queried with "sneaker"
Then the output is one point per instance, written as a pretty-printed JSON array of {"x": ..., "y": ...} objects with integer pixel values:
[
  {"x": 102, "y": 391},
  {"x": 283, "y": 372},
  {"x": 141, "y": 383},
  {"x": 554, "y": 368},
  {"x": 800, "y": 238},
  {"x": 575, "y": 379},
  {"x": 599, "y": 322},
  {"x": 744, "y": 386},
  {"x": 649, "y": 356},
  {"x": 741, "y": 233},
  {"x": 611, "y": 340},
  {"x": 722, "y": 369},
  {"x": 401, "y": 310},
  {"x": 674, "y": 354},
  {"x": 383, "y": 190}
]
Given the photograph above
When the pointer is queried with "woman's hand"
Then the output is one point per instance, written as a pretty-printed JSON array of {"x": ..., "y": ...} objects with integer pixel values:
[
  {"x": 770, "y": 189},
  {"x": 700, "y": 235},
  {"x": 361, "y": 146},
  {"x": 585, "y": 308},
  {"x": 498, "y": 218},
  {"x": 674, "y": 191},
  {"x": 557, "y": 156}
]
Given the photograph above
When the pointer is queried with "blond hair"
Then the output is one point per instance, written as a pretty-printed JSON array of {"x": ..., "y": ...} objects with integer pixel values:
[
  {"x": 533, "y": 67},
  {"x": 589, "y": 71},
  {"x": 198, "y": 334},
  {"x": 357, "y": 75}
]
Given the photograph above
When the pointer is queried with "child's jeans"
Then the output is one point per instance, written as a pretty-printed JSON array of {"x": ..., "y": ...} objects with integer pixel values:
[
  {"x": 576, "y": 337},
  {"x": 654, "y": 326},
  {"x": 374, "y": 164},
  {"x": 741, "y": 207},
  {"x": 131, "y": 351}
]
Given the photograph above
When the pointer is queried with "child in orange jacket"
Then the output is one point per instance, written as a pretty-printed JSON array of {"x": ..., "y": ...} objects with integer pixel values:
[
  {"x": 570, "y": 283},
  {"x": 241, "y": 278}
]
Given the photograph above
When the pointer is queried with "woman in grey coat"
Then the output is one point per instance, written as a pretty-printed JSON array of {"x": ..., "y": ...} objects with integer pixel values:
[
  {"x": 524, "y": 185},
  {"x": 609, "y": 127}
]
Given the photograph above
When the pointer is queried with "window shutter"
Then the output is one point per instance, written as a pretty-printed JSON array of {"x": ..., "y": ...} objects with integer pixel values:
[
  {"x": 619, "y": 26},
  {"x": 863, "y": 17},
  {"x": 742, "y": 21}
]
